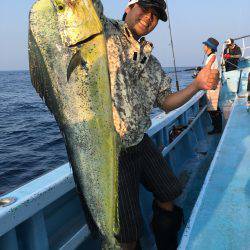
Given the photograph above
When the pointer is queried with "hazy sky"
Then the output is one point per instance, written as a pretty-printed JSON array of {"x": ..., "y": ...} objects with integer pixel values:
[{"x": 192, "y": 22}]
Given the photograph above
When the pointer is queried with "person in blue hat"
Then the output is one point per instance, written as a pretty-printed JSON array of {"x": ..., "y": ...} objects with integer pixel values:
[{"x": 210, "y": 48}]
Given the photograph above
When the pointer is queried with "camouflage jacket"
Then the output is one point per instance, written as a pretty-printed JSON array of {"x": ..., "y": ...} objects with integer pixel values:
[{"x": 137, "y": 80}]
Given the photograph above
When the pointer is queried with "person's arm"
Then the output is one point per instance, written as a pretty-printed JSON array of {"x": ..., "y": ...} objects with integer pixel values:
[
  {"x": 235, "y": 56},
  {"x": 238, "y": 53},
  {"x": 207, "y": 79},
  {"x": 177, "y": 99}
]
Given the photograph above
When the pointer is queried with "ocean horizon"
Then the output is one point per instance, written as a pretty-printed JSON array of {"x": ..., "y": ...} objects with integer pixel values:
[{"x": 30, "y": 141}]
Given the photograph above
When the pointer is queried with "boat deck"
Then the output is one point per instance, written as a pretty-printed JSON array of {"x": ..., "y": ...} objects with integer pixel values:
[
  {"x": 50, "y": 205},
  {"x": 221, "y": 216}
]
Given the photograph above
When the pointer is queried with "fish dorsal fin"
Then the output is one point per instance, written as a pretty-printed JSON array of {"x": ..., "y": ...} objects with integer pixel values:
[
  {"x": 37, "y": 68},
  {"x": 44, "y": 51},
  {"x": 34, "y": 66}
]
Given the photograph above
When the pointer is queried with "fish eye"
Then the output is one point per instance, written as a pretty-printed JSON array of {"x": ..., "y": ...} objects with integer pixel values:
[{"x": 60, "y": 7}]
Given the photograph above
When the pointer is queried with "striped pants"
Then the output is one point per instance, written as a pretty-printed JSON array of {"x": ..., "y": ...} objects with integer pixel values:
[{"x": 143, "y": 164}]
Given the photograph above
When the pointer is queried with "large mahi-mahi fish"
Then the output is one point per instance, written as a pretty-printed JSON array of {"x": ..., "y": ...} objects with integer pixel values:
[{"x": 69, "y": 70}]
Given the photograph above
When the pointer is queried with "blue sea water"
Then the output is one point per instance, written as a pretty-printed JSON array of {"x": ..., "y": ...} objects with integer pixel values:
[{"x": 30, "y": 141}]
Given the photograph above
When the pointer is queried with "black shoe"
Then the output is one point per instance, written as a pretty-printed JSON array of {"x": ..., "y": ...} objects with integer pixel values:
[{"x": 165, "y": 225}]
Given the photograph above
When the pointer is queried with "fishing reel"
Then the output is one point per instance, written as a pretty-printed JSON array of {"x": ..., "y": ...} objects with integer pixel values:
[{"x": 196, "y": 71}]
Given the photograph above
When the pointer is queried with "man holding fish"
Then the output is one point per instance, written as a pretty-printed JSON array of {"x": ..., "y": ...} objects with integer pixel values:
[
  {"x": 93, "y": 101},
  {"x": 137, "y": 83}
]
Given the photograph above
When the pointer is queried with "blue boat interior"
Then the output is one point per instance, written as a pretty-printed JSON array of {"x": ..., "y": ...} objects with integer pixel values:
[
  {"x": 221, "y": 217},
  {"x": 49, "y": 204},
  {"x": 214, "y": 171}
]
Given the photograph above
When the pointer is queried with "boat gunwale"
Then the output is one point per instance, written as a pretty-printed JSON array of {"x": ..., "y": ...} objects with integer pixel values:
[{"x": 37, "y": 194}]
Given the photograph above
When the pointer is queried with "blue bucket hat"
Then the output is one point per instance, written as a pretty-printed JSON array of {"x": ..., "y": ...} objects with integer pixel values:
[{"x": 212, "y": 43}]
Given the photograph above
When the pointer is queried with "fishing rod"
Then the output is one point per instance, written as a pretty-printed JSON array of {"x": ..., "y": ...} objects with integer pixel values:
[
  {"x": 199, "y": 68},
  {"x": 223, "y": 62},
  {"x": 196, "y": 69},
  {"x": 186, "y": 70},
  {"x": 226, "y": 61},
  {"x": 172, "y": 45}
]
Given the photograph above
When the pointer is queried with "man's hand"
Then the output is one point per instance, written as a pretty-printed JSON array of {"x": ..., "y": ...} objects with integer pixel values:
[{"x": 207, "y": 78}]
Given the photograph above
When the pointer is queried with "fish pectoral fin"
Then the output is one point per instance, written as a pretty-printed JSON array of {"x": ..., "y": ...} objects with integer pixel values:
[{"x": 76, "y": 61}]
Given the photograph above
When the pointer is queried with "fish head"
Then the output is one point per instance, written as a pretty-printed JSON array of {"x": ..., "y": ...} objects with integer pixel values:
[{"x": 77, "y": 20}]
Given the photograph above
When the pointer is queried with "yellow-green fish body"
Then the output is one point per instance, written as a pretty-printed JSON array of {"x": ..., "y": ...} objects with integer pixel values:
[{"x": 69, "y": 69}]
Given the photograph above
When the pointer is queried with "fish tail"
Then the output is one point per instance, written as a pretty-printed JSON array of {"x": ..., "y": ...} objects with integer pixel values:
[{"x": 94, "y": 230}]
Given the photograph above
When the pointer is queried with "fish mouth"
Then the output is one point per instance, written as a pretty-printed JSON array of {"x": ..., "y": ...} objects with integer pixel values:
[{"x": 81, "y": 43}]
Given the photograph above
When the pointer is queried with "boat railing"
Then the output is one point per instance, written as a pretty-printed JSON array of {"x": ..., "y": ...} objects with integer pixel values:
[
  {"x": 46, "y": 212},
  {"x": 244, "y": 43}
]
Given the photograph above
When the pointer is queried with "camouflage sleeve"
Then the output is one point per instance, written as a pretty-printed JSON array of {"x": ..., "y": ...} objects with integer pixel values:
[{"x": 164, "y": 82}]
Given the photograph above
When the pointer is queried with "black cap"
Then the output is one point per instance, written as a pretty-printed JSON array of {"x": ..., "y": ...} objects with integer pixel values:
[{"x": 159, "y": 5}]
